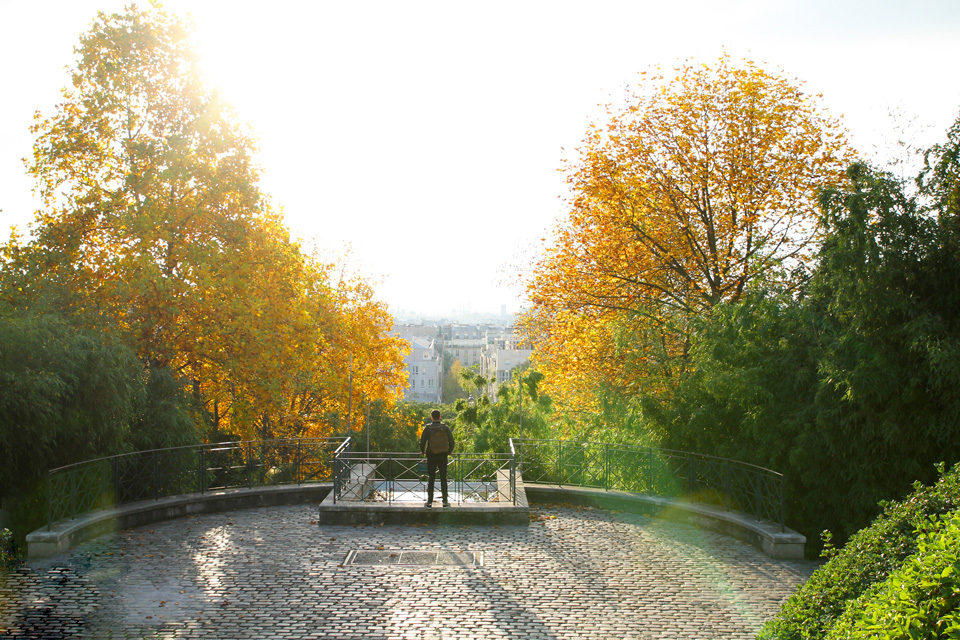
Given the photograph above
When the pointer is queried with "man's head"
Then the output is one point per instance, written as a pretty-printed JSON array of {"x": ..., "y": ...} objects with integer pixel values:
[{"x": 435, "y": 415}]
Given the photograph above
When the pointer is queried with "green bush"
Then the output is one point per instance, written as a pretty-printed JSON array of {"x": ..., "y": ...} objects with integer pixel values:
[
  {"x": 919, "y": 600},
  {"x": 870, "y": 557},
  {"x": 10, "y": 556}
]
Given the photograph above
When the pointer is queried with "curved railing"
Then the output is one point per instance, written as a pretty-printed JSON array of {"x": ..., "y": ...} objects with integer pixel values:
[
  {"x": 146, "y": 475},
  {"x": 730, "y": 484},
  {"x": 151, "y": 475}
]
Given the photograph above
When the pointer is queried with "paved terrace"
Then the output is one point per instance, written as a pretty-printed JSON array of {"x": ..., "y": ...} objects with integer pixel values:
[{"x": 262, "y": 573}]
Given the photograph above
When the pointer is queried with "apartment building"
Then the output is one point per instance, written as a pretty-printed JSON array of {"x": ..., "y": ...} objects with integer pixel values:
[
  {"x": 465, "y": 342},
  {"x": 424, "y": 363},
  {"x": 504, "y": 352},
  {"x": 495, "y": 351}
]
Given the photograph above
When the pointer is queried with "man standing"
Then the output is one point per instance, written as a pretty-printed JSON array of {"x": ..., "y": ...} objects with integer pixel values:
[{"x": 436, "y": 442}]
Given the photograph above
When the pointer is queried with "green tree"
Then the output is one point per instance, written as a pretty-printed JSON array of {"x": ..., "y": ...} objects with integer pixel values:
[
  {"x": 67, "y": 394},
  {"x": 453, "y": 390},
  {"x": 853, "y": 383}
]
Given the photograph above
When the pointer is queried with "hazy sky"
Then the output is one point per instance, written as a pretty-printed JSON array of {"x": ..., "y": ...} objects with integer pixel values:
[{"x": 427, "y": 136}]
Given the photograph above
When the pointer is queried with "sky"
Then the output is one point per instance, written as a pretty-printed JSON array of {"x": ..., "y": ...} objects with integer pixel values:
[{"x": 424, "y": 140}]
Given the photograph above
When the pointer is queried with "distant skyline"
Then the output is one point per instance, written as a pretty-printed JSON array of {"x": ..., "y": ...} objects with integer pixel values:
[{"x": 427, "y": 136}]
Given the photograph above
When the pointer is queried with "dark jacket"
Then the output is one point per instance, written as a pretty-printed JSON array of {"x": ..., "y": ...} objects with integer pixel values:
[{"x": 430, "y": 428}]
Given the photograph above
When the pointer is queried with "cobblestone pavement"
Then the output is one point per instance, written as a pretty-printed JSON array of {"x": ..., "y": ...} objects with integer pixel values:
[{"x": 274, "y": 573}]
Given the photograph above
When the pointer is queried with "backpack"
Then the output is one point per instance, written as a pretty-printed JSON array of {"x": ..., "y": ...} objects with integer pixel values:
[{"x": 438, "y": 442}]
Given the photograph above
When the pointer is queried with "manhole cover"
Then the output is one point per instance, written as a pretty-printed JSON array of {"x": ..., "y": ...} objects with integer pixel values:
[{"x": 421, "y": 558}]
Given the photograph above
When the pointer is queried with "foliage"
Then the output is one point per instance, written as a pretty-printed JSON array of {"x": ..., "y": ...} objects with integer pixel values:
[
  {"x": 154, "y": 226},
  {"x": 487, "y": 425},
  {"x": 162, "y": 416},
  {"x": 869, "y": 558},
  {"x": 753, "y": 373},
  {"x": 940, "y": 178},
  {"x": 452, "y": 389},
  {"x": 10, "y": 556},
  {"x": 920, "y": 599},
  {"x": 66, "y": 394},
  {"x": 398, "y": 428},
  {"x": 704, "y": 186},
  {"x": 852, "y": 381}
]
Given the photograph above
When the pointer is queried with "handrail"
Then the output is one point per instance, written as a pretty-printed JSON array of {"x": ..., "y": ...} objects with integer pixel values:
[
  {"x": 731, "y": 484},
  {"x": 103, "y": 482},
  {"x": 401, "y": 477},
  {"x": 152, "y": 474}
]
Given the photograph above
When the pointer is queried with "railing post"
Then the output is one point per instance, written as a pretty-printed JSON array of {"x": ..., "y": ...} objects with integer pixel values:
[
  {"x": 559, "y": 464},
  {"x": 73, "y": 495},
  {"x": 49, "y": 500},
  {"x": 759, "y": 489},
  {"x": 606, "y": 466},
  {"x": 391, "y": 480},
  {"x": 783, "y": 496},
  {"x": 202, "y": 470},
  {"x": 115, "y": 469},
  {"x": 650, "y": 471},
  {"x": 692, "y": 479},
  {"x": 297, "y": 467},
  {"x": 251, "y": 461},
  {"x": 726, "y": 486},
  {"x": 336, "y": 476},
  {"x": 156, "y": 475}
]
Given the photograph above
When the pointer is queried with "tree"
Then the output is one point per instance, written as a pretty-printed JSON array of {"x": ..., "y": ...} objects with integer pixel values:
[
  {"x": 852, "y": 382},
  {"x": 66, "y": 394},
  {"x": 703, "y": 186},
  {"x": 148, "y": 185},
  {"x": 154, "y": 224}
]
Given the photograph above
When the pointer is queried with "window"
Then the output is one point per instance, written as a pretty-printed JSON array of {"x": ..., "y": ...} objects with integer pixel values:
[
  {"x": 431, "y": 384},
  {"x": 416, "y": 369}
]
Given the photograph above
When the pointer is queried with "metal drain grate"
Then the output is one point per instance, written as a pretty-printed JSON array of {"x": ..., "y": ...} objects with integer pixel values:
[{"x": 419, "y": 558}]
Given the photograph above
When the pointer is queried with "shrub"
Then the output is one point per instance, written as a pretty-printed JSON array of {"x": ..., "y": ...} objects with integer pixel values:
[
  {"x": 870, "y": 557},
  {"x": 919, "y": 600},
  {"x": 10, "y": 556}
]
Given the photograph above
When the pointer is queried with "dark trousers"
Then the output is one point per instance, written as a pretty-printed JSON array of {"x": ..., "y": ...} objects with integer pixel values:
[{"x": 437, "y": 462}]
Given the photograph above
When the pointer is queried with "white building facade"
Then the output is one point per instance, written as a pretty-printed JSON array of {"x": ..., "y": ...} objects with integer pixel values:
[
  {"x": 424, "y": 366},
  {"x": 465, "y": 342},
  {"x": 504, "y": 352}
]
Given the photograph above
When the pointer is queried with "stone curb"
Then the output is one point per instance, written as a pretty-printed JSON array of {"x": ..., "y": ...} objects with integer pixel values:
[
  {"x": 762, "y": 534},
  {"x": 67, "y": 534}
]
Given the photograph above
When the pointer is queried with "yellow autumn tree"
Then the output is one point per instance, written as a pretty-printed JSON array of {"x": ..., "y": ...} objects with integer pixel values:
[
  {"x": 154, "y": 223},
  {"x": 704, "y": 185}
]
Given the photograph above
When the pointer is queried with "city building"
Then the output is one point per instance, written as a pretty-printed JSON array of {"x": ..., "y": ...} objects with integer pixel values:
[
  {"x": 504, "y": 352},
  {"x": 465, "y": 342},
  {"x": 494, "y": 351},
  {"x": 424, "y": 363}
]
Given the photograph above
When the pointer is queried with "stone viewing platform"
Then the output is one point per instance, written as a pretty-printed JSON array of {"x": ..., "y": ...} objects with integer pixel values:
[
  {"x": 543, "y": 544},
  {"x": 574, "y": 572}
]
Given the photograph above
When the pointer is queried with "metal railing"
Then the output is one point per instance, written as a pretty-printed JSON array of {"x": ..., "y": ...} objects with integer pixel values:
[
  {"x": 733, "y": 485},
  {"x": 402, "y": 477},
  {"x": 151, "y": 475},
  {"x": 397, "y": 477}
]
